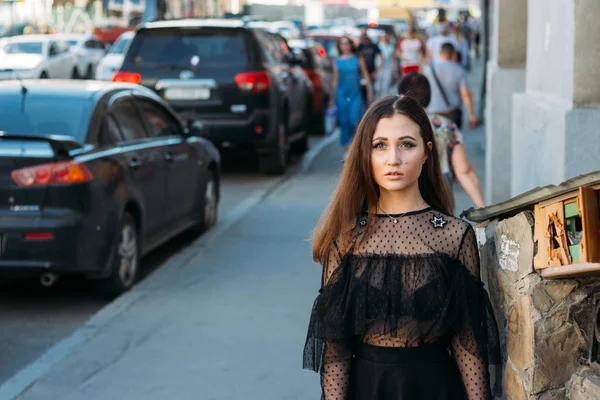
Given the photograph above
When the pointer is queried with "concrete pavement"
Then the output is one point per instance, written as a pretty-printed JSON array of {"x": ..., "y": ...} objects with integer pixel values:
[{"x": 224, "y": 320}]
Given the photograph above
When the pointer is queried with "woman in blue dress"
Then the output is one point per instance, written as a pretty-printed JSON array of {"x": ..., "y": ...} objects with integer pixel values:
[{"x": 349, "y": 67}]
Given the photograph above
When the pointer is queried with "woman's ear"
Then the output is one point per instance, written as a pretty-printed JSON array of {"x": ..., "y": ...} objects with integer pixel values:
[{"x": 430, "y": 147}]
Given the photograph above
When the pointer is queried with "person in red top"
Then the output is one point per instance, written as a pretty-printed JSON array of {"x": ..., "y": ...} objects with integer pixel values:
[{"x": 411, "y": 51}]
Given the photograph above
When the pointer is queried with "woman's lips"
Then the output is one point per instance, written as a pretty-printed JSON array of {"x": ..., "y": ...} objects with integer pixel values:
[{"x": 394, "y": 175}]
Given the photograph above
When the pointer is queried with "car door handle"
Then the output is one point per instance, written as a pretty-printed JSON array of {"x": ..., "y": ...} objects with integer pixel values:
[
  {"x": 135, "y": 163},
  {"x": 168, "y": 157}
]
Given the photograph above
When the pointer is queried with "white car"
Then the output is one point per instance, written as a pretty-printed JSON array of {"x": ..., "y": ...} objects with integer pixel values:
[
  {"x": 113, "y": 60},
  {"x": 88, "y": 51},
  {"x": 35, "y": 56}
]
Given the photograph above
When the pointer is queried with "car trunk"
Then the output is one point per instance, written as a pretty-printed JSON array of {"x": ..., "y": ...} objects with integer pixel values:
[
  {"x": 17, "y": 153},
  {"x": 194, "y": 68}
]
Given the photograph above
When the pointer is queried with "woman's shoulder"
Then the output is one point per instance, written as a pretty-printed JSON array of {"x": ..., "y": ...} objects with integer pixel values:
[{"x": 446, "y": 229}]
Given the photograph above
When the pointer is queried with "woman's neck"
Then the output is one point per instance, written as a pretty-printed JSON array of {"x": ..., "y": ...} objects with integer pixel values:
[{"x": 401, "y": 201}]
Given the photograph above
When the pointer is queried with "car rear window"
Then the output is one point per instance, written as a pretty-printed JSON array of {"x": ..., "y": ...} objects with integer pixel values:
[
  {"x": 185, "y": 47},
  {"x": 45, "y": 115}
]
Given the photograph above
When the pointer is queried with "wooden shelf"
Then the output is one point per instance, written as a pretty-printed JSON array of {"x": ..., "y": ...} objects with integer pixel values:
[{"x": 579, "y": 270}]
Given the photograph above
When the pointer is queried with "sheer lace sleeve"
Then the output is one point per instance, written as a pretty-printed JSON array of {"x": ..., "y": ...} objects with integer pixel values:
[
  {"x": 475, "y": 344},
  {"x": 328, "y": 350}
]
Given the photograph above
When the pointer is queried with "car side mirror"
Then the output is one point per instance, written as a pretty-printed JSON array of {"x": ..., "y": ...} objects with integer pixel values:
[{"x": 196, "y": 128}]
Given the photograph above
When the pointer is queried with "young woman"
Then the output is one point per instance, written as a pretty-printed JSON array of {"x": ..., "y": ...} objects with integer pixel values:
[
  {"x": 346, "y": 90},
  {"x": 454, "y": 159},
  {"x": 402, "y": 313}
]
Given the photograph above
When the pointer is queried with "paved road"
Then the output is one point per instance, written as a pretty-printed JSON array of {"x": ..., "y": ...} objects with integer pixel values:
[{"x": 34, "y": 318}]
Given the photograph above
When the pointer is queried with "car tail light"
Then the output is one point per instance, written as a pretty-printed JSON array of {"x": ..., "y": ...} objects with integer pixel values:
[
  {"x": 59, "y": 173},
  {"x": 129, "y": 77},
  {"x": 314, "y": 77},
  {"x": 39, "y": 236},
  {"x": 373, "y": 24},
  {"x": 256, "y": 82},
  {"x": 322, "y": 52}
]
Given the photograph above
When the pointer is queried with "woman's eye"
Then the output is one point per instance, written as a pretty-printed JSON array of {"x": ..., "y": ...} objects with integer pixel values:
[
  {"x": 379, "y": 145},
  {"x": 408, "y": 145}
]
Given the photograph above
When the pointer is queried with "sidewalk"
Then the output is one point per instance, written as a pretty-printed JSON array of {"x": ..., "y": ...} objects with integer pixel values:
[{"x": 225, "y": 319}]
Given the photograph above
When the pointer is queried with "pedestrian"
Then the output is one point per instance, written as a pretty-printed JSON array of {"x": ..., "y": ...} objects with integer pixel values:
[
  {"x": 371, "y": 53},
  {"x": 401, "y": 313},
  {"x": 462, "y": 47},
  {"x": 410, "y": 51},
  {"x": 435, "y": 43},
  {"x": 454, "y": 159},
  {"x": 387, "y": 70},
  {"x": 449, "y": 88},
  {"x": 348, "y": 68}
]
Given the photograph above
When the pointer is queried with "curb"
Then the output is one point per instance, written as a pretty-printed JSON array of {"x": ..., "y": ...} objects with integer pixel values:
[
  {"x": 19, "y": 383},
  {"x": 310, "y": 157}
]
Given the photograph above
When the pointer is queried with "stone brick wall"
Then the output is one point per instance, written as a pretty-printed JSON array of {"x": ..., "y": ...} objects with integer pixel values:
[{"x": 547, "y": 325}]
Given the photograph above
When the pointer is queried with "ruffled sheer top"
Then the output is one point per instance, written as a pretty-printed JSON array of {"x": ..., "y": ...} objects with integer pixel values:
[{"x": 405, "y": 281}]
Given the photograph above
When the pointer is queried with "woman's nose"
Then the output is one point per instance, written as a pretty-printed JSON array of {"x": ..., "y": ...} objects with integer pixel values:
[{"x": 394, "y": 157}]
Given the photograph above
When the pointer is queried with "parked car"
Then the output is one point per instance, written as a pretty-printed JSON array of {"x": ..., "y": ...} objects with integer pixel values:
[
  {"x": 88, "y": 50},
  {"x": 113, "y": 59},
  {"x": 94, "y": 175},
  {"x": 243, "y": 82},
  {"x": 379, "y": 27},
  {"x": 328, "y": 39},
  {"x": 36, "y": 56},
  {"x": 319, "y": 69}
]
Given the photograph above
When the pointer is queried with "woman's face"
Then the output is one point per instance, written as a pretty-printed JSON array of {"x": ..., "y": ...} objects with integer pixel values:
[
  {"x": 398, "y": 153},
  {"x": 345, "y": 46}
]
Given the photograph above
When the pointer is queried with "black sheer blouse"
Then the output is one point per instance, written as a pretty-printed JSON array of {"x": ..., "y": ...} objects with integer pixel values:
[{"x": 403, "y": 284}]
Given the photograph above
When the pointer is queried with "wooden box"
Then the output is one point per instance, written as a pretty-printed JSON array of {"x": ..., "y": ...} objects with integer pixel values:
[{"x": 567, "y": 229}]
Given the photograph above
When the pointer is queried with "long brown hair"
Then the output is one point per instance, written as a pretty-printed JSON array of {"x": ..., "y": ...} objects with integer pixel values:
[{"x": 357, "y": 187}]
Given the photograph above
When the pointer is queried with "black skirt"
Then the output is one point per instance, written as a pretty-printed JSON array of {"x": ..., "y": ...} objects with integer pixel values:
[{"x": 427, "y": 372}]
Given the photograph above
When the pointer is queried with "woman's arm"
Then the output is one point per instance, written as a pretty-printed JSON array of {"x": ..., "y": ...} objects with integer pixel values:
[
  {"x": 335, "y": 375},
  {"x": 467, "y": 345},
  {"x": 466, "y": 174},
  {"x": 365, "y": 74}
]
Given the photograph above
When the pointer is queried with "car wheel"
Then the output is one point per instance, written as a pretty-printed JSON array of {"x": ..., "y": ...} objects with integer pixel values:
[
  {"x": 125, "y": 262},
  {"x": 276, "y": 164},
  {"x": 75, "y": 73},
  {"x": 210, "y": 204},
  {"x": 89, "y": 73},
  {"x": 44, "y": 75}
]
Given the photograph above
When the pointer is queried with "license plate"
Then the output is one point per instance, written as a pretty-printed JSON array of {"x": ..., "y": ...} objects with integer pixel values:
[{"x": 187, "y": 93}]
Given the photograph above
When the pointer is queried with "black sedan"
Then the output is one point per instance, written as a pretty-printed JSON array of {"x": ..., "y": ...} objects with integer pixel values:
[{"x": 93, "y": 175}]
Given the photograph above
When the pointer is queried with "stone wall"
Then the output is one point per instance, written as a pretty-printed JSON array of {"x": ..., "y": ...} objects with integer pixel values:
[{"x": 546, "y": 325}]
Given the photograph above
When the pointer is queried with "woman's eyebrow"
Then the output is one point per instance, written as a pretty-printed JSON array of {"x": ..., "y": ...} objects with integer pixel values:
[{"x": 400, "y": 138}]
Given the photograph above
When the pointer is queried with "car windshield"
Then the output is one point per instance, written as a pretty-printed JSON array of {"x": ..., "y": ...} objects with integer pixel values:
[
  {"x": 120, "y": 46},
  {"x": 179, "y": 47},
  {"x": 23, "y": 48},
  {"x": 45, "y": 115}
]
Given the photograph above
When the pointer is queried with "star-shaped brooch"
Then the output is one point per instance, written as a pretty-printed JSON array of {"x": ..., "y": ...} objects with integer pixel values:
[{"x": 438, "y": 222}]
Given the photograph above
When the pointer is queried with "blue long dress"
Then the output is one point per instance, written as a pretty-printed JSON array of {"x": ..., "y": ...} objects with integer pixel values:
[{"x": 348, "y": 97}]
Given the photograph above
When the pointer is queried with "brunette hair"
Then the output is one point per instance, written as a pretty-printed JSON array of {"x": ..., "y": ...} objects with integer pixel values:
[
  {"x": 417, "y": 86},
  {"x": 358, "y": 189},
  {"x": 352, "y": 45}
]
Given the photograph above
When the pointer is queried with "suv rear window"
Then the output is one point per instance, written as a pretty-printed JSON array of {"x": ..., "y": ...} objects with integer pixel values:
[{"x": 185, "y": 47}]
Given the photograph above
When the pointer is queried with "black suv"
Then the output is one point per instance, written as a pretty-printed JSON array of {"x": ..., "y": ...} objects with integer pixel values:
[{"x": 244, "y": 83}]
